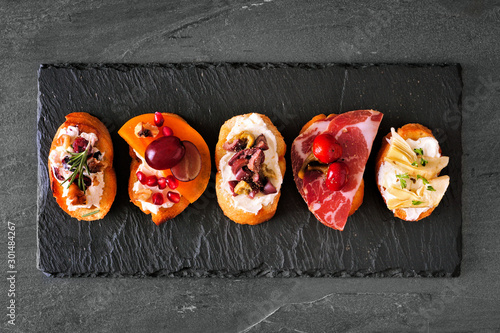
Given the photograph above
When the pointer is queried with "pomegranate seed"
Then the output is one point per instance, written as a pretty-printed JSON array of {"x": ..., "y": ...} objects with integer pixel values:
[
  {"x": 141, "y": 177},
  {"x": 167, "y": 131},
  {"x": 158, "y": 199},
  {"x": 173, "y": 197},
  {"x": 172, "y": 182},
  {"x": 162, "y": 183},
  {"x": 151, "y": 181},
  {"x": 159, "y": 119}
]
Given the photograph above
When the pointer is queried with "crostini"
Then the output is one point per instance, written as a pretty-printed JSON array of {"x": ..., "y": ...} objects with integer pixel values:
[
  {"x": 407, "y": 170},
  {"x": 250, "y": 160},
  {"x": 170, "y": 165},
  {"x": 328, "y": 161},
  {"x": 80, "y": 166}
]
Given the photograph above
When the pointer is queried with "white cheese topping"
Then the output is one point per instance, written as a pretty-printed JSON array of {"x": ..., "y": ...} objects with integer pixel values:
[
  {"x": 93, "y": 194},
  {"x": 428, "y": 144},
  {"x": 71, "y": 131},
  {"x": 388, "y": 171},
  {"x": 254, "y": 125},
  {"x": 148, "y": 205}
]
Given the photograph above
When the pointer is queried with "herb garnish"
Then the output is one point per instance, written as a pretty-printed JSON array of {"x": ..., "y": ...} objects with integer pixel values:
[
  {"x": 419, "y": 151},
  {"x": 425, "y": 181},
  {"x": 78, "y": 164},
  {"x": 415, "y": 202},
  {"x": 430, "y": 188},
  {"x": 415, "y": 164},
  {"x": 91, "y": 213},
  {"x": 402, "y": 179},
  {"x": 423, "y": 162}
]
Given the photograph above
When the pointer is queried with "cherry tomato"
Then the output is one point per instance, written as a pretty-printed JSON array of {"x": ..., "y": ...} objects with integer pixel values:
[
  {"x": 326, "y": 148},
  {"x": 336, "y": 176}
]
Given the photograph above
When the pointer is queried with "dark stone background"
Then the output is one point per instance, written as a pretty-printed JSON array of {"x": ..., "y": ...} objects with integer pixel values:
[{"x": 34, "y": 32}]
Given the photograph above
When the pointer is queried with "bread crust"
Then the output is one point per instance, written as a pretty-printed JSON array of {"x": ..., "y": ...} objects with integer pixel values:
[
  {"x": 357, "y": 200},
  {"x": 89, "y": 124},
  {"x": 238, "y": 215},
  {"x": 409, "y": 131}
]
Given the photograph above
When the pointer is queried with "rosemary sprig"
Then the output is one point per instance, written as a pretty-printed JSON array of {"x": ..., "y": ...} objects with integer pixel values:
[
  {"x": 78, "y": 164},
  {"x": 91, "y": 213}
]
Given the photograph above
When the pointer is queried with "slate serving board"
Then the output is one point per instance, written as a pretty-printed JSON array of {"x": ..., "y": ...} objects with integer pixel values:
[{"x": 202, "y": 241}]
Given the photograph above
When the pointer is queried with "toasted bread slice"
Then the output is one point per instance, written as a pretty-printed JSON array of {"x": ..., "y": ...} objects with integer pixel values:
[
  {"x": 408, "y": 131},
  {"x": 86, "y": 124},
  {"x": 224, "y": 198}
]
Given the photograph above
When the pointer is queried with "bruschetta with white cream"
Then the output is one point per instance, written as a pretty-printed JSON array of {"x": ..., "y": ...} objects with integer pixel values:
[
  {"x": 80, "y": 166},
  {"x": 250, "y": 167},
  {"x": 407, "y": 172}
]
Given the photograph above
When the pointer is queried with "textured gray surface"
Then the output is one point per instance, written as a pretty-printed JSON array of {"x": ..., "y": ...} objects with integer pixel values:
[{"x": 390, "y": 31}]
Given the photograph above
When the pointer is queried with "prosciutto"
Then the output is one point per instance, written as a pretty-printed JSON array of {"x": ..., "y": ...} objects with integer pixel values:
[{"x": 355, "y": 131}]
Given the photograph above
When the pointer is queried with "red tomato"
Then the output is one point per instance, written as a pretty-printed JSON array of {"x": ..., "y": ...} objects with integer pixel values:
[
  {"x": 326, "y": 148},
  {"x": 336, "y": 177}
]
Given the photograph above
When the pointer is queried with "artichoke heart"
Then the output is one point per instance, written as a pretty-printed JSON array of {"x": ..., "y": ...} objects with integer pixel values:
[
  {"x": 422, "y": 197},
  {"x": 406, "y": 160},
  {"x": 400, "y": 151}
]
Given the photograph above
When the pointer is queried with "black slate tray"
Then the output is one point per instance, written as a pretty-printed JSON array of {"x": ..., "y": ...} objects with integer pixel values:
[{"x": 202, "y": 241}]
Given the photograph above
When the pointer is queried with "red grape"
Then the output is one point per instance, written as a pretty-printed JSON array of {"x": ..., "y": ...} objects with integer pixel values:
[
  {"x": 190, "y": 166},
  {"x": 165, "y": 152}
]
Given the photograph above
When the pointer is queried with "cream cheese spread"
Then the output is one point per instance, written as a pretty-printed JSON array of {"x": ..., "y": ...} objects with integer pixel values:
[{"x": 148, "y": 171}]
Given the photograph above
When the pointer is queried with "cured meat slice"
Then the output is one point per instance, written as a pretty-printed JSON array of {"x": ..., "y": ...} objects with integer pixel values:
[{"x": 355, "y": 131}]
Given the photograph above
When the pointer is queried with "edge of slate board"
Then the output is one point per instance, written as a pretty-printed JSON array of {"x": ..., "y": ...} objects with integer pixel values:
[{"x": 258, "y": 271}]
